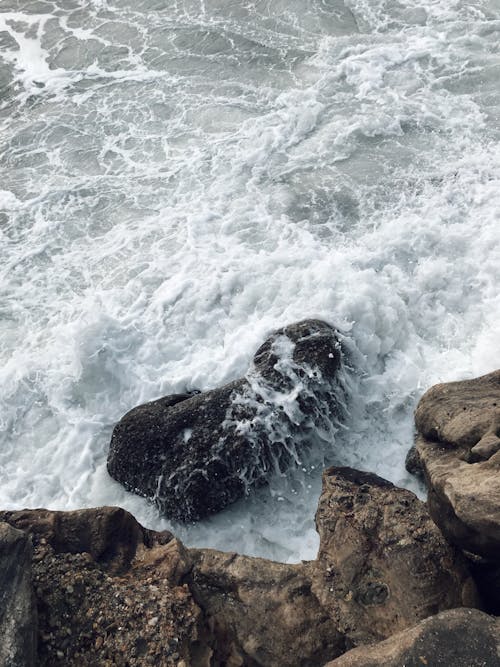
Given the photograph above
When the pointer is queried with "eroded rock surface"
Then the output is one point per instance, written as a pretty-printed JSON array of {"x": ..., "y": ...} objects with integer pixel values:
[
  {"x": 263, "y": 613},
  {"x": 456, "y": 638},
  {"x": 383, "y": 565},
  {"x": 110, "y": 535},
  {"x": 18, "y": 622},
  {"x": 110, "y": 592},
  {"x": 459, "y": 450},
  {"x": 195, "y": 454}
]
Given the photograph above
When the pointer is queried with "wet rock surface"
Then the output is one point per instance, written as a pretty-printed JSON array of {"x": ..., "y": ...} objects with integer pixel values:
[
  {"x": 383, "y": 565},
  {"x": 195, "y": 454},
  {"x": 18, "y": 620},
  {"x": 456, "y": 638},
  {"x": 459, "y": 451}
]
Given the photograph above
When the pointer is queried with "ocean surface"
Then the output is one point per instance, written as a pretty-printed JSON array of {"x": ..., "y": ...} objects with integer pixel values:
[{"x": 180, "y": 177}]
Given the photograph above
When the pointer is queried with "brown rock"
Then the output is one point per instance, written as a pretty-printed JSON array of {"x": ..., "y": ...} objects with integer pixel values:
[
  {"x": 194, "y": 454},
  {"x": 456, "y": 638},
  {"x": 263, "y": 613},
  {"x": 100, "y": 580},
  {"x": 461, "y": 414},
  {"x": 458, "y": 447},
  {"x": 383, "y": 565},
  {"x": 110, "y": 592},
  {"x": 18, "y": 621}
]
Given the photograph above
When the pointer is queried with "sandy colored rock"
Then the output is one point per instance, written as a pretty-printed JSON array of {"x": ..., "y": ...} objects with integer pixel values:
[
  {"x": 461, "y": 414},
  {"x": 110, "y": 535},
  {"x": 18, "y": 619},
  {"x": 456, "y": 638},
  {"x": 110, "y": 592},
  {"x": 383, "y": 565},
  {"x": 263, "y": 613},
  {"x": 458, "y": 448}
]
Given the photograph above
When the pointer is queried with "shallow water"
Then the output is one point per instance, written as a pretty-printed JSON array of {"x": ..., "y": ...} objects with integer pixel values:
[{"x": 180, "y": 178}]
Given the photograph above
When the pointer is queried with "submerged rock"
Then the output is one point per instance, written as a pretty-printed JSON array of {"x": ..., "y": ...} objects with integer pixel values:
[
  {"x": 458, "y": 447},
  {"x": 383, "y": 565},
  {"x": 195, "y": 454},
  {"x": 18, "y": 620},
  {"x": 456, "y": 638}
]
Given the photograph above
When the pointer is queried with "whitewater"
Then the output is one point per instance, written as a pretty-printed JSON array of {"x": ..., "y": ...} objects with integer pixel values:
[{"x": 179, "y": 178}]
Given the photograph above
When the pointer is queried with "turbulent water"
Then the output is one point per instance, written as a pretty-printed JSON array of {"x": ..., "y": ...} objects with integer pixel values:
[{"x": 180, "y": 177}]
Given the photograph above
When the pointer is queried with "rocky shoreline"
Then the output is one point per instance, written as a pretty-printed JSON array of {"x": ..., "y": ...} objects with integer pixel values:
[
  {"x": 396, "y": 581},
  {"x": 194, "y": 454}
]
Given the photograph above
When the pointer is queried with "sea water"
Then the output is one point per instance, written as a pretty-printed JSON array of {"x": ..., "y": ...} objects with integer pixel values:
[{"x": 181, "y": 177}]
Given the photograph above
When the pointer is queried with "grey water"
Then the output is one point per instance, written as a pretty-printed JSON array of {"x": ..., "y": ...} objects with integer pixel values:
[{"x": 180, "y": 178}]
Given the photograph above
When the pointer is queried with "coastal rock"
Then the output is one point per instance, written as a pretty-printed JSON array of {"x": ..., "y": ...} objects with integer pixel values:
[
  {"x": 458, "y": 638},
  {"x": 164, "y": 604},
  {"x": 263, "y": 613},
  {"x": 382, "y": 565},
  {"x": 110, "y": 592},
  {"x": 110, "y": 535},
  {"x": 195, "y": 454},
  {"x": 486, "y": 575},
  {"x": 18, "y": 621},
  {"x": 458, "y": 447}
]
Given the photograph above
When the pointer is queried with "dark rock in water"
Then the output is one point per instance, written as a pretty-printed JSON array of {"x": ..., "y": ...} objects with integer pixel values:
[
  {"x": 195, "y": 454},
  {"x": 18, "y": 620},
  {"x": 455, "y": 638}
]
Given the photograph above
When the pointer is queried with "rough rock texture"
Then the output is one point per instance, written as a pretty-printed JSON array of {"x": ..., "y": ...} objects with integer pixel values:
[
  {"x": 17, "y": 608},
  {"x": 382, "y": 565},
  {"x": 456, "y": 638},
  {"x": 195, "y": 454},
  {"x": 263, "y": 613},
  {"x": 110, "y": 535},
  {"x": 459, "y": 450},
  {"x": 110, "y": 592}
]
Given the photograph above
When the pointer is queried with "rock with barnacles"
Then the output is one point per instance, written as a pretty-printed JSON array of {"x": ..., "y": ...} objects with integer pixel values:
[
  {"x": 458, "y": 448},
  {"x": 195, "y": 454}
]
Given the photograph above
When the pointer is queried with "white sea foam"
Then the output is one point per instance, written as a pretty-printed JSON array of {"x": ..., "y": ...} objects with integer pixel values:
[{"x": 180, "y": 179}]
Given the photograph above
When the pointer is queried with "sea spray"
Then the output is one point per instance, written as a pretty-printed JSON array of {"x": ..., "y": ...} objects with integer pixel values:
[{"x": 180, "y": 180}]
